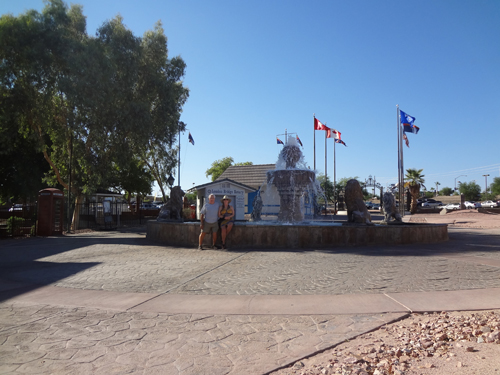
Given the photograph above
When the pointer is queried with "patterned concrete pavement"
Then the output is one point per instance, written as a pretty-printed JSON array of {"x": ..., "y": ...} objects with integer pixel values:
[{"x": 113, "y": 302}]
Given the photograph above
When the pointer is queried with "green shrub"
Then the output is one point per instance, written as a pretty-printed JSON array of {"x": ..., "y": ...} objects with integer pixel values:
[{"x": 14, "y": 224}]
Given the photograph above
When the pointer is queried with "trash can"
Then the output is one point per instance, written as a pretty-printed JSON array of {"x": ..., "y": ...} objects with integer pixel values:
[
  {"x": 50, "y": 212},
  {"x": 193, "y": 211}
]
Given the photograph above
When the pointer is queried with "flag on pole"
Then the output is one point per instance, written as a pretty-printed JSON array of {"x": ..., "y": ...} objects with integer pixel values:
[
  {"x": 406, "y": 140},
  {"x": 408, "y": 123},
  {"x": 279, "y": 141},
  {"x": 298, "y": 140},
  {"x": 335, "y": 133},
  {"x": 340, "y": 141},
  {"x": 318, "y": 125},
  {"x": 190, "y": 137}
]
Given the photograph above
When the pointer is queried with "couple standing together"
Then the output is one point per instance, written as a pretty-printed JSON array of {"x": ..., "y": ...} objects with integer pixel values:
[{"x": 210, "y": 215}]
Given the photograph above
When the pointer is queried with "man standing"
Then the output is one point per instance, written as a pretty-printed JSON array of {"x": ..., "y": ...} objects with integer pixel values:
[{"x": 209, "y": 216}]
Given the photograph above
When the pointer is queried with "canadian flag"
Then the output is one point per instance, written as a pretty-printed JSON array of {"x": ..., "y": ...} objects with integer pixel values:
[
  {"x": 336, "y": 134},
  {"x": 318, "y": 125}
]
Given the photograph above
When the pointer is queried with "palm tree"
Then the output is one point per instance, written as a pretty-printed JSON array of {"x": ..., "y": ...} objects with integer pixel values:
[
  {"x": 414, "y": 179},
  {"x": 437, "y": 184}
]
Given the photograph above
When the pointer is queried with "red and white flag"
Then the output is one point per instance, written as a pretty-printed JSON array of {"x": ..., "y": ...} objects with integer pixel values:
[
  {"x": 406, "y": 140},
  {"x": 318, "y": 125},
  {"x": 332, "y": 133}
]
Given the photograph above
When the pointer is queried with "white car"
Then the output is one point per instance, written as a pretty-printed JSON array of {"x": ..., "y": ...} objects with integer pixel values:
[
  {"x": 489, "y": 204},
  {"x": 432, "y": 203},
  {"x": 452, "y": 206},
  {"x": 472, "y": 204}
]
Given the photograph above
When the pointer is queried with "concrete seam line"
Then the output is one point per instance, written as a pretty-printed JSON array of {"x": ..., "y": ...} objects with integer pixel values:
[
  {"x": 395, "y": 300},
  {"x": 187, "y": 281}
]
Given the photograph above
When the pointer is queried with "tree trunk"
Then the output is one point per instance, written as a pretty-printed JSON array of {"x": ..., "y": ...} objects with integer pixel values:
[
  {"x": 415, "y": 192},
  {"x": 76, "y": 213}
]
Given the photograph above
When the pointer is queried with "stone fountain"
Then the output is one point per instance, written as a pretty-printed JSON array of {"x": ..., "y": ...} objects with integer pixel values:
[
  {"x": 292, "y": 179},
  {"x": 291, "y": 182}
]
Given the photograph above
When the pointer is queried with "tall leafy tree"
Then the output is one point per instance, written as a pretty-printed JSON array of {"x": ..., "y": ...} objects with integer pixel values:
[
  {"x": 219, "y": 166},
  {"x": 495, "y": 186},
  {"x": 102, "y": 102},
  {"x": 414, "y": 180},
  {"x": 470, "y": 190}
]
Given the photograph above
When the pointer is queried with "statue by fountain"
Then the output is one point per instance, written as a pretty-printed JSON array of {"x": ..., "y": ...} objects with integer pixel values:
[
  {"x": 357, "y": 212},
  {"x": 390, "y": 210},
  {"x": 290, "y": 181},
  {"x": 172, "y": 210},
  {"x": 257, "y": 207}
]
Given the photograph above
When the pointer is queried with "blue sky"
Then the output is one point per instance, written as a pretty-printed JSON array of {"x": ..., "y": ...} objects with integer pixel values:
[{"x": 256, "y": 68}]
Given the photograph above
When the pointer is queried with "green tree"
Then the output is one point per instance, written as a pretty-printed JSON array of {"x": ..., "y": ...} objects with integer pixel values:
[
  {"x": 101, "y": 102},
  {"x": 470, "y": 190},
  {"x": 495, "y": 186},
  {"x": 437, "y": 187},
  {"x": 327, "y": 187},
  {"x": 330, "y": 193},
  {"x": 219, "y": 166},
  {"x": 414, "y": 180},
  {"x": 447, "y": 191}
]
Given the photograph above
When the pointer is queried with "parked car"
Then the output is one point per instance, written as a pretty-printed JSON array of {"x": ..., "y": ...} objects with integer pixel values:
[
  {"x": 489, "y": 204},
  {"x": 149, "y": 206},
  {"x": 452, "y": 206},
  {"x": 369, "y": 205},
  {"x": 432, "y": 203},
  {"x": 472, "y": 204},
  {"x": 375, "y": 206},
  {"x": 16, "y": 207}
]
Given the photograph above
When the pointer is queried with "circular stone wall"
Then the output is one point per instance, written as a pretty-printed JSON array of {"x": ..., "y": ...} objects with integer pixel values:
[{"x": 310, "y": 236}]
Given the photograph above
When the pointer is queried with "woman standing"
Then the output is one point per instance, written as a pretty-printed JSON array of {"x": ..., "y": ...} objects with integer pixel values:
[{"x": 226, "y": 214}]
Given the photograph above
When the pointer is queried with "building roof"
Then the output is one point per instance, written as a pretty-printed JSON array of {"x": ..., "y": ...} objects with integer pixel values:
[
  {"x": 250, "y": 175},
  {"x": 218, "y": 181}
]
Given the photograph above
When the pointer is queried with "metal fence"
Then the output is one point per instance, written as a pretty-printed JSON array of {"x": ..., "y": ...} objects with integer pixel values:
[
  {"x": 18, "y": 221},
  {"x": 110, "y": 215},
  {"x": 21, "y": 220}
]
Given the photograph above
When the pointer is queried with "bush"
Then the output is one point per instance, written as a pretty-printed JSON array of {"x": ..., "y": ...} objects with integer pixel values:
[{"x": 14, "y": 224}]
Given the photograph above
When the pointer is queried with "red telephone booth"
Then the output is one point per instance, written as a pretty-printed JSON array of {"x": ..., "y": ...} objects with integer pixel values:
[{"x": 50, "y": 212}]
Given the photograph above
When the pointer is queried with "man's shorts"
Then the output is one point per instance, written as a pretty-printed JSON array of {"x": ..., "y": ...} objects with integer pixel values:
[{"x": 210, "y": 227}]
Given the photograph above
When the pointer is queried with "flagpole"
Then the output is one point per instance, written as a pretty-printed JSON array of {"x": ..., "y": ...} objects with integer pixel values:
[
  {"x": 402, "y": 172},
  {"x": 325, "y": 155},
  {"x": 399, "y": 157},
  {"x": 326, "y": 173},
  {"x": 334, "y": 181},
  {"x": 314, "y": 136}
]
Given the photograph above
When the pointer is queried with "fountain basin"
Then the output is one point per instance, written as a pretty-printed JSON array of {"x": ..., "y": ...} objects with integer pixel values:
[{"x": 300, "y": 236}]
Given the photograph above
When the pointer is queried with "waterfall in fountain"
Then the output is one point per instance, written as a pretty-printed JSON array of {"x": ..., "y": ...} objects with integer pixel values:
[{"x": 292, "y": 179}]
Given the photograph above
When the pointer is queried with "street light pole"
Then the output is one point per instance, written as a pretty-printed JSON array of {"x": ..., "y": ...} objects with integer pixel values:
[
  {"x": 462, "y": 175},
  {"x": 486, "y": 183}
]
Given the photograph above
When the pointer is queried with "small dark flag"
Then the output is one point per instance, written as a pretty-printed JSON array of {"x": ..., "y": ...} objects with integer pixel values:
[
  {"x": 340, "y": 141},
  {"x": 190, "y": 137},
  {"x": 279, "y": 141}
]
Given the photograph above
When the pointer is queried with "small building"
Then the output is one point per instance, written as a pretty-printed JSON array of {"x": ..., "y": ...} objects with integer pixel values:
[{"x": 237, "y": 192}]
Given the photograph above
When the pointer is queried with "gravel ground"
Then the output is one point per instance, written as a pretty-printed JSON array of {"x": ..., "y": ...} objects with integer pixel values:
[
  {"x": 461, "y": 219},
  {"x": 423, "y": 344},
  {"x": 427, "y": 344}
]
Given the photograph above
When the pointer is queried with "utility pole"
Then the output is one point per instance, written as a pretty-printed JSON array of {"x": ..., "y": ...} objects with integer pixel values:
[{"x": 486, "y": 183}]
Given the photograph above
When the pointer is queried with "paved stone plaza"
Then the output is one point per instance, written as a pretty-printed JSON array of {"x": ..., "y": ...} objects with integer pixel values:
[{"x": 113, "y": 302}]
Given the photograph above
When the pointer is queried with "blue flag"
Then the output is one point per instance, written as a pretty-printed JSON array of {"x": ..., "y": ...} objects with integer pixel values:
[
  {"x": 191, "y": 140},
  {"x": 341, "y": 142},
  {"x": 407, "y": 121},
  {"x": 279, "y": 141}
]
